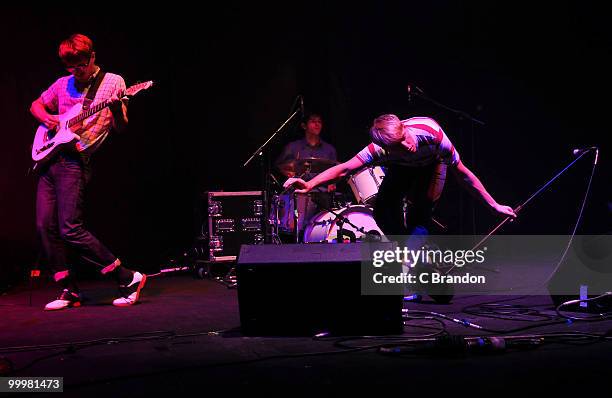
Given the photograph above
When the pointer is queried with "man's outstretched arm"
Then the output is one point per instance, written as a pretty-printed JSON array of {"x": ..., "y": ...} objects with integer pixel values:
[
  {"x": 469, "y": 180},
  {"x": 331, "y": 174}
]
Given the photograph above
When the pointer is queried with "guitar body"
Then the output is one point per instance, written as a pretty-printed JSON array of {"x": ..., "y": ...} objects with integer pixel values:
[{"x": 48, "y": 142}]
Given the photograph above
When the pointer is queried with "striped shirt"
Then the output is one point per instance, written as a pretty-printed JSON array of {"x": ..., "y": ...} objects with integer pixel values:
[
  {"x": 433, "y": 146},
  {"x": 64, "y": 94}
]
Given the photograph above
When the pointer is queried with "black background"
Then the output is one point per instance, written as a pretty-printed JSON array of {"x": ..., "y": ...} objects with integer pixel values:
[{"x": 226, "y": 78}]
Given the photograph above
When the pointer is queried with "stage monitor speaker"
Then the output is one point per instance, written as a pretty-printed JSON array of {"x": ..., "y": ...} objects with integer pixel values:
[
  {"x": 306, "y": 289},
  {"x": 586, "y": 272}
]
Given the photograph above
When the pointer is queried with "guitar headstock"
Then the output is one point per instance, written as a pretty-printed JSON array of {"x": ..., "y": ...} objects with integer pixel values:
[{"x": 136, "y": 88}]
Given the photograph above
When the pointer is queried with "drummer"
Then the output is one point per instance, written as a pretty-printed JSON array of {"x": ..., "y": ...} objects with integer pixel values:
[
  {"x": 312, "y": 151},
  {"x": 311, "y": 146}
]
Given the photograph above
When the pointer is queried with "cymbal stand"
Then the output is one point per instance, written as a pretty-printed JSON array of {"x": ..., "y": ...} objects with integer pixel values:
[{"x": 261, "y": 152}]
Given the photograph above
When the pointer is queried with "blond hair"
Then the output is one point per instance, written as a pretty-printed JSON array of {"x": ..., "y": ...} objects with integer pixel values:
[{"x": 387, "y": 130}]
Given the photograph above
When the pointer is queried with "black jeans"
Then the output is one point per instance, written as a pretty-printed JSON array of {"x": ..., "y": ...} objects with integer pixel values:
[
  {"x": 407, "y": 197},
  {"x": 59, "y": 209}
]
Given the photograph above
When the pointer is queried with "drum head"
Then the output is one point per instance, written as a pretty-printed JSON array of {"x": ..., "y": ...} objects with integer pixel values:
[
  {"x": 324, "y": 227},
  {"x": 365, "y": 184}
]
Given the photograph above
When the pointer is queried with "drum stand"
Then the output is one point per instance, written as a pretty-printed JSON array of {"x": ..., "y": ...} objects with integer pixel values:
[
  {"x": 296, "y": 208},
  {"x": 275, "y": 239}
]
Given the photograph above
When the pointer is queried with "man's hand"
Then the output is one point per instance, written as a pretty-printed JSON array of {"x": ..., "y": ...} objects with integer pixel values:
[
  {"x": 118, "y": 106},
  {"x": 116, "y": 98},
  {"x": 409, "y": 143},
  {"x": 504, "y": 210},
  {"x": 300, "y": 185},
  {"x": 51, "y": 121}
]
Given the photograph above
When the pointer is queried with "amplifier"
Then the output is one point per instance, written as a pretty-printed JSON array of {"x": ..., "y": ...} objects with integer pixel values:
[
  {"x": 233, "y": 219},
  {"x": 305, "y": 289}
]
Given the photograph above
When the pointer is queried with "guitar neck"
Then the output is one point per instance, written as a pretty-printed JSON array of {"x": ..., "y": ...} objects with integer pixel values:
[
  {"x": 131, "y": 91},
  {"x": 93, "y": 110}
]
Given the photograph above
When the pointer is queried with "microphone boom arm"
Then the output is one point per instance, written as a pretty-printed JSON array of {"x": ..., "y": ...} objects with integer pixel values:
[
  {"x": 261, "y": 148},
  {"x": 421, "y": 94}
]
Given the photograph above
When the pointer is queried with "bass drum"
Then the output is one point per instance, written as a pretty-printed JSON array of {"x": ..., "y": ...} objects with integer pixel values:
[{"x": 324, "y": 226}]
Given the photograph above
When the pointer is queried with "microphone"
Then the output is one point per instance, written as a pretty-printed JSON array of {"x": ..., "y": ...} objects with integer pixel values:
[
  {"x": 452, "y": 346},
  {"x": 287, "y": 190},
  {"x": 460, "y": 346},
  {"x": 412, "y": 89},
  {"x": 290, "y": 190},
  {"x": 302, "y": 106},
  {"x": 275, "y": 180},
  {"x": 580, "y": 151}
]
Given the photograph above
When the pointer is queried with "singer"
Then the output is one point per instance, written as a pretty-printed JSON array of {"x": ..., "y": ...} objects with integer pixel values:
[{"x": 417, "y": 154}]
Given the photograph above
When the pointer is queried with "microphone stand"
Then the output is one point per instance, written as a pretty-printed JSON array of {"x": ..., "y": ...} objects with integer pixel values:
[
  {"x": 259, "y": 152},
  {"x": 461, "y": 115},
  {"x": 539, "y": 191}
]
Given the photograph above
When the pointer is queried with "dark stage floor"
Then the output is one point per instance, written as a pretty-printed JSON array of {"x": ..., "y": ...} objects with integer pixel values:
[{"x": 168, "y": 344}]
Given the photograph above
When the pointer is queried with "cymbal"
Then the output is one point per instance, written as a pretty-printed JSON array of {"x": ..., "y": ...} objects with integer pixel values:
[{"x": 312, "y": 165}]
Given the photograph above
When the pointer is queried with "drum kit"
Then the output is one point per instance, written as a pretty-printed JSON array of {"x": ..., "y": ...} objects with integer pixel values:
[{"x": 328, "y": 217}]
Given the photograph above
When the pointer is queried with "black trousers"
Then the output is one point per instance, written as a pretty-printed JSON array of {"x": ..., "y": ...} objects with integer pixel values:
[
  {"x": 59, "y": 209},
  {"x": 407, "y": 197}
]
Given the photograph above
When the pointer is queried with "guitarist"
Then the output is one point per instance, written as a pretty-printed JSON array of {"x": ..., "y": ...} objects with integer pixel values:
[{"x": 62, "y": 180}]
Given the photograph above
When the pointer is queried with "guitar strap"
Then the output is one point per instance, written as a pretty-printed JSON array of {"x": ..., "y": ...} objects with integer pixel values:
[{"x": 91, "y": 93}]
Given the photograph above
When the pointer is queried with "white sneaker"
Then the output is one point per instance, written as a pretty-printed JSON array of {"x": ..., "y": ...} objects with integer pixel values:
[
  {"x": 131, "y": 293},
  {"x": 66, "y": 299}
]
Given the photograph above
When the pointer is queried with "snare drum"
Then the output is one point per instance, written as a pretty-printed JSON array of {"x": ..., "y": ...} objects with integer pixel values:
[
  {"x": 324, "y": 226},
  {"x": 365, "y": 184}
]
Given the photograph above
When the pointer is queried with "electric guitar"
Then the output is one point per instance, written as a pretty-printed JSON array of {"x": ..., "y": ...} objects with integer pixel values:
[{"x": 47, "y": 142}]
